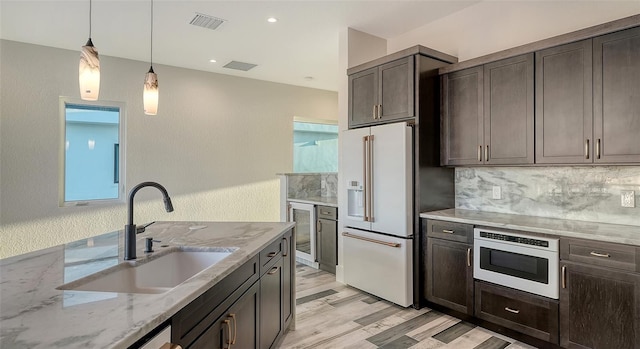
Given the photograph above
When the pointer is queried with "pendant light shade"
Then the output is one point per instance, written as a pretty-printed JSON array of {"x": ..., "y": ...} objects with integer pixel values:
[
  {"x": 150, "y": 94},
  {"x": 89, "y": 69}
]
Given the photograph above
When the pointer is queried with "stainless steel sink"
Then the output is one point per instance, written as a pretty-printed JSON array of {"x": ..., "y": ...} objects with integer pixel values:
[{"x": 156, "y": 274}]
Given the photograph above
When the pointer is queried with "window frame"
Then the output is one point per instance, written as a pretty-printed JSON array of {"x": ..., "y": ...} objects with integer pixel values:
[{"x": 63, "y": 103}]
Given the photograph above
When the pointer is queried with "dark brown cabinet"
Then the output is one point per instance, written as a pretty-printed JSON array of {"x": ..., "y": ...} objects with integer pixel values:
[
  {"x": 564, "y": 111},
  {"x": 382, "y": 94},
  {"x": 524, "y": 312},
  {"x": 250, "y": 308},
  {"x": 488, "y": 114},
  {"x": 327, "y": 235},
  {"x": 599, "y": 295},
  {"x": 616, "y": 97},
  {"x": 449, "y": 265}
]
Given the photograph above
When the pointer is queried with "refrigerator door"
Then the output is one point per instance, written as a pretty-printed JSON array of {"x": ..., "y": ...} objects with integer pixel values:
[
  {"x": 354, "y": 167},
  {"x": 391, "y": 179},
  {"x": 379, "y": 264}
]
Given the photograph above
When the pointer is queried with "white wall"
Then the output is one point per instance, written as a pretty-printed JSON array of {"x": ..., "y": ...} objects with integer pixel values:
[
  {"x": 492, "y": 26},
  {"x": 216, "y": 144}
]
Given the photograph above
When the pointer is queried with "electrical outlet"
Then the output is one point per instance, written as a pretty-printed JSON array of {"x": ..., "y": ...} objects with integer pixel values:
[
  {"x": 497, "y": 192},
  {"x": 628, "y": 198}
]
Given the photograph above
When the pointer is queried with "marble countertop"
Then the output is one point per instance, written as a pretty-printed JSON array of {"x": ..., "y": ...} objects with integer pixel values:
[
  {"x": 318, "y": 200},
  {"x": 625, "y": 234},
  {"x": 34, "y": 314}
]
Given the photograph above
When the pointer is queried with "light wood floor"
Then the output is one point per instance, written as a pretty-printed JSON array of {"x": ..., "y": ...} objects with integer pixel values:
[{"x": 333, "y": 315}]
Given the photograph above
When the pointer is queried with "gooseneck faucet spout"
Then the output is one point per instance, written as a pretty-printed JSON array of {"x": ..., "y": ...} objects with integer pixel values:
[{"x": 130, "y": 228}]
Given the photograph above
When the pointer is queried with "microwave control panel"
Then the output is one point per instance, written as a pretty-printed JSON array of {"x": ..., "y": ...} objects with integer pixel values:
[{"x": 516, "y": 239}]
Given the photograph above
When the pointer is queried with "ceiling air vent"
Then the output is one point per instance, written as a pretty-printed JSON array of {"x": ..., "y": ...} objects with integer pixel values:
[
  {"x": 206, "y": 21},
  {"x": 240, "y": 65}
]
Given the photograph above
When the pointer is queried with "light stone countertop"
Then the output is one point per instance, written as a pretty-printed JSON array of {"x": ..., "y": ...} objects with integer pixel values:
[
  {"x": 318, "y": 200},
  {"x": 624, "y": 234},
  {"x": 34, "y": 314}
]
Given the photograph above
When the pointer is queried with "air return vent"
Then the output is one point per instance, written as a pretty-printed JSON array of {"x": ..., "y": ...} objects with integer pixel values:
[
  {"x": 240, "y": 65},
  {"x": 206, "y": 21}
]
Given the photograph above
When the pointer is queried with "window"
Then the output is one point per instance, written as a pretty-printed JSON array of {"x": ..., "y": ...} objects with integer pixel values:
[
  {"x": 92, "y": 152},
  {"x": 315, "y": 145}
]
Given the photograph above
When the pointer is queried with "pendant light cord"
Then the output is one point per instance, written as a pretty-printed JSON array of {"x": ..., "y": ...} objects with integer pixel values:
[
  {"x": 151, "y": 34},
  {"x": 89, "y": 19}
]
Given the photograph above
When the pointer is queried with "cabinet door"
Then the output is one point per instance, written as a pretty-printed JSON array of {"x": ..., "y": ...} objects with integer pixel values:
[
  {"x": 271, "y": 302},
  {"x": 288, "y": 270},
  {"x": 564, "y": 112},
  {"x": 450, "y": 274},
  {"x": 327, "y": 246},
  {"x": 616, "y": 93},
  {"x": 395, "y": 90},
  {"x": 599, "y": 308},
  {"x": 508, "y": 111},
  {"x": 238, "y": 327},
  {"x": 363, "y": 97},
  {"x": 462, "y": 117}
]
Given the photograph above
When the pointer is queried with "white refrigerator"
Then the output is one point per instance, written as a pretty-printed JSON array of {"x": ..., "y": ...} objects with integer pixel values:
[{"x": 378, "y": 217}]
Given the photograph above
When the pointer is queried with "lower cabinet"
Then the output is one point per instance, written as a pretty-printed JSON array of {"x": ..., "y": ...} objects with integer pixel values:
[
  {"x": 250, "y": 308},
  {"x": 533, "y": 315},
  {"x": 449, "y": 265},
  {"x": 271, "y": 302},
  {"x": 599, "y": 308}
]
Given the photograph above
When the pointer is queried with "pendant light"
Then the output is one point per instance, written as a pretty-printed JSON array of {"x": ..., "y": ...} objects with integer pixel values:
[
  {"x": 89, "y": 69},
  {"x": 150, "y": 96}
]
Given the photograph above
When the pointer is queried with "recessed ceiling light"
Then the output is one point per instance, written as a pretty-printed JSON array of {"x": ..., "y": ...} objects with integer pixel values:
[
  {"x": 212, "y": 60},
  {"x": 308, "y": 78},
  {"x": 272, "y": 19}
]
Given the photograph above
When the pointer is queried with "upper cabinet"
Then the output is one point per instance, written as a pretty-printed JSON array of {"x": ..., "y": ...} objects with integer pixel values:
[
  {"x": 487, "y": 114},
  {"x": 587, "y": 105},
  {"x": 564, "y": 117},
  {"x": 616, "y": 97},
  {"x": 382, "y": 94}
]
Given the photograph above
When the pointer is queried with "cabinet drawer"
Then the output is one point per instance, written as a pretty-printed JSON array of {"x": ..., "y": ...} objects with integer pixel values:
[
  {"x": 270, "y": 255},
  {"x": 532, "y": 315},
  {"x": 450, "y": 231},
  {"x": 328, "y": 212},
  {"x": 605, "y": 254}
]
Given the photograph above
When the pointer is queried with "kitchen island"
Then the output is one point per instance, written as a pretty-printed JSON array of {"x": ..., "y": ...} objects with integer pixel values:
[{"x": 35, "y": 314}]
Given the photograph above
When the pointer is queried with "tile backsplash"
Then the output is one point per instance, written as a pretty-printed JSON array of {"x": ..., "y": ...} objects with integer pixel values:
[
  {"x": 577, "y": 193},
  {"x": 310, "y": 185}
]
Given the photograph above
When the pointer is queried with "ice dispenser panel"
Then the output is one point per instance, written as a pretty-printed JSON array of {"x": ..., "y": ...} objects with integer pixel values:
[{"x": 355, "y": 197}]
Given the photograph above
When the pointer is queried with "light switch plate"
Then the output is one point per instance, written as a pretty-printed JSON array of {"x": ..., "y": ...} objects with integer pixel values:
[
  {"x": 497, "y": 192},
  {"x": 628, "y": 198}
]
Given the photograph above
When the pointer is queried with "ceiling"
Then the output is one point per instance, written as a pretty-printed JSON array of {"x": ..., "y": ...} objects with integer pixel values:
[{"x": 303, "y": 42}]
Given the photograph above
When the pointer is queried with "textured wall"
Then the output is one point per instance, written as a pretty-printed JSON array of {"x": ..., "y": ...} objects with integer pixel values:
[
  {"x": 580, "y": 193},
  {"x": 216, "y": 144}
]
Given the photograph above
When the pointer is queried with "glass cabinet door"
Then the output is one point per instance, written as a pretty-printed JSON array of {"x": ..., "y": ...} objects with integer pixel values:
[{"x": 305, "y": 217}]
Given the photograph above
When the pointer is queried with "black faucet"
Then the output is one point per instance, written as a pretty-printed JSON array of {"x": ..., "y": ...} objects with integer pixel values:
[{"x": 130, "y": 228}]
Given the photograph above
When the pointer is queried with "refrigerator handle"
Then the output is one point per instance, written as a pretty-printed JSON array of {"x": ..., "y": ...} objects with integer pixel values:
[
  {"x": 365, "y": 145},
  {"x": 370, "y": 170}
]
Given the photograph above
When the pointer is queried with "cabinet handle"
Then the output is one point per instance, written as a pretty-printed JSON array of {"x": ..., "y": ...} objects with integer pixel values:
[
  {"x": 598, "y": 149},
  {"x": 564, "y": 276},
  {"x": 375, "y": 111},
  {"x": 273, "y": 270},
  {"x": 286, "y": 250},
  {"x": 235, "y": 328},
  {"x": 289, "y": 213},
  {"x": 486, "y": 153},
  {"x": 228, "y": 323},
  {"x": 325, "y": 212},
  {"x": 586, "y": 149},
  {"x": 319, "y": 226},
  {"x": 379, "y": 111},
  {"x": 515, "y": 311},
  {"x": 468, "y": 257},
  {"x": 479, "y": 153},
  {"x": 446, "y": 231},
  {"x": 272, "y": 254},
  {"x": 604, "y": 255}
]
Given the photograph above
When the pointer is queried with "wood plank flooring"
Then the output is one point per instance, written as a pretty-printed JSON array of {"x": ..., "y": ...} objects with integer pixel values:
[{"x": 333, "y": 315}]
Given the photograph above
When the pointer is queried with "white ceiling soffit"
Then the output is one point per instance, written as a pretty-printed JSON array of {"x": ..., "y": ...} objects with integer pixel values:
[{"x": 303, "y": 43}]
